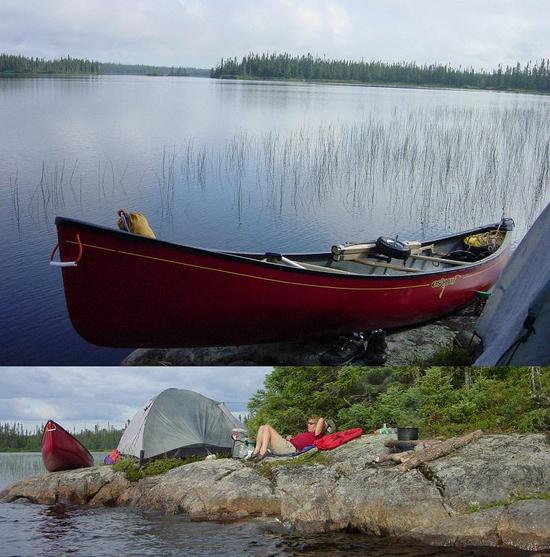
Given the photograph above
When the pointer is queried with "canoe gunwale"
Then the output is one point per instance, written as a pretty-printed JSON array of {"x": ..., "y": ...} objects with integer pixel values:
[{"x": 252, "y": 259}]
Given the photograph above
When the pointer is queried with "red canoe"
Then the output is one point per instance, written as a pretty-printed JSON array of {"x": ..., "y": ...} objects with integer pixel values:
[
  {"x": 61, "y": 451},
  {"x": 126, "y": 290}
]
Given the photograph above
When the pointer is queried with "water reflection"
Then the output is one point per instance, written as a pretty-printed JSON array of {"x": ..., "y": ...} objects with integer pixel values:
[
  {"x": 57, "y": 526},
  {"x": 452, "y": 166},
  {"x": 247, "y": 166},
  {"x": 41, "y": 530}
]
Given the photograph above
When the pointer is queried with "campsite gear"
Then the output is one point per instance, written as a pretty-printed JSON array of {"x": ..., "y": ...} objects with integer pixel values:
[
  {"x": 333, "y": 440},
  {"x": 486, "y": 240},
  {"x": 136, "y": 223},
  {"x": 392, "y": 247},
  {"x": 112, "y": 457},
  {"x": 385, "y": 430},
  {"x": 242, "y": 447},
  {"x": 375, "y": 354},
  {"x": 515, "y": 323},
  {"x": 179, "y": 423},
  {"x": 62, "y": 451},
  {"x": 344, "y": 351},
  {"x": 407, "y": 434},
  {"x": 127, "y": 290}
]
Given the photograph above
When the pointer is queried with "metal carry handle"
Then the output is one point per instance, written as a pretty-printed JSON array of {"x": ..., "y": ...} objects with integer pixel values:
[{"x": 67, "y": 263}]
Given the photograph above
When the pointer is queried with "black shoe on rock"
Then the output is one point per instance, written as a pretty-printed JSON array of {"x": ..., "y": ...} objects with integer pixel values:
[
  {"x": 375, "y": 354},
  {"x": 344, "y": 351}
]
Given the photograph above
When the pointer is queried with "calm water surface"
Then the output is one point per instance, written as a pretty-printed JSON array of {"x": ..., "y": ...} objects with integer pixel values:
[
  {"x": 245, "y": 165},
  {"x": 44, "y": 530}
]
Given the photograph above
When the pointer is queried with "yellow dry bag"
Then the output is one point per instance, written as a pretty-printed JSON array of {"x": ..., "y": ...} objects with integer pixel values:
[{"x": 135, "y": 223}]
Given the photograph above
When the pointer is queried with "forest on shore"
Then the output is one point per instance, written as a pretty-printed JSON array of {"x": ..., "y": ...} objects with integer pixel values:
[
  {"x": 533, "y": 76},
  {"x": 21, "y": 65},
  {"x": 440, "y": 401},
  {"x": 15, "y": 437}
]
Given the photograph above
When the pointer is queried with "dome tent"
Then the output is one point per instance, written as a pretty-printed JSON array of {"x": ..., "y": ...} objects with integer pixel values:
[
  {"x": 515, "y": 322},
  {"x": 179, "y": 423}
]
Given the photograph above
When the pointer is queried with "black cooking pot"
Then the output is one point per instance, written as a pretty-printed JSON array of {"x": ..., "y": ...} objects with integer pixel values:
[{"x": 407, "y": 434}]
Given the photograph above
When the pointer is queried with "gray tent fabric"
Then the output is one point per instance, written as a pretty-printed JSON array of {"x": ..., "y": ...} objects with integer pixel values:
[
  {"x": 179, "y": 422},
  {"x": 515, "y": 323}
]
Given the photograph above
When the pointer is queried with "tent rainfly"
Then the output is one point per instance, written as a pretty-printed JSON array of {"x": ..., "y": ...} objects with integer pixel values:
[
  {"x": 179, "y": 423},
  {"x": 515, "y": 323}
]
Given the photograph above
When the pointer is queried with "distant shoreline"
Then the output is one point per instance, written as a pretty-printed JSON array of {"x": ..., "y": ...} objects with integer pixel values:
[
  {"x": 9, "y": 75},
  {"x": 388, "y": 85},
  {"x": 82, "y": 74}
]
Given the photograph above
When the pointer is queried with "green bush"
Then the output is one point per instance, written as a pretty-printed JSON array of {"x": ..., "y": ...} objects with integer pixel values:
[
  {"x": 134, "y": 472},
  {"x": 161, "y": 465},
  {"x": 439, "y": 401}
]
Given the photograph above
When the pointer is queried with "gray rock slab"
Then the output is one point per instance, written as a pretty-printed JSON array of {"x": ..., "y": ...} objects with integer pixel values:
[
  {"x": 343, "y": 488},
  {"x": 405, "y": 347},
  {"x": 222, "y": 489},
  {"x": 77, "y": 487},
  {"x": 526, "y": 525},
  {"x": 494, "y": 468}
]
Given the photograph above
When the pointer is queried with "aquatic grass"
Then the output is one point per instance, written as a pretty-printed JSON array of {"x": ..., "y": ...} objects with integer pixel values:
[
  {"x": 450, "y": 165},
  {"x": 15, "y": 201}
]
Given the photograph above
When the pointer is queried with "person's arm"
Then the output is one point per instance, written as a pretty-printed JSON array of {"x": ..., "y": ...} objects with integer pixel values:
[{"x": 320, "y": 426}]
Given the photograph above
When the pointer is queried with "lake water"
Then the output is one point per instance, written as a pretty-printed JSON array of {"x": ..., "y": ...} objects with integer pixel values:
[
  {"x": 44, "y": 530},
  {"x": 238, "y": 165}
]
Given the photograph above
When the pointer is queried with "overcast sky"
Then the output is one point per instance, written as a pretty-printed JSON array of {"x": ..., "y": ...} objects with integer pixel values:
[
  {"x": 84, "y": 396},
  {"x": 478, "y": 33}
]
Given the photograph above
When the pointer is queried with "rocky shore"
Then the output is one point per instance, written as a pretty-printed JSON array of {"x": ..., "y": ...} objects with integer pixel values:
[
  {"x": 493, "y": 492},
  {"x": 405, "y": 347}
]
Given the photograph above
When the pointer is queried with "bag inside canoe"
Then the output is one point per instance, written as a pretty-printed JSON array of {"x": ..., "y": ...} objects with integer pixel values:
[{"x": 136, "y": 223}]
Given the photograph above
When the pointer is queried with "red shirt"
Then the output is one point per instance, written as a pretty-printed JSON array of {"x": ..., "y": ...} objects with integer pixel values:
[{"x": 304, "y": 439}]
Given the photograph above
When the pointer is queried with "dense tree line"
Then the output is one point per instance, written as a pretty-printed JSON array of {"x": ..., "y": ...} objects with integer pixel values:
[
  {"x": 437, "y": 400},
  {"x": 140, "y": 69},
  {"x": 531, "y": 76},
  {"x": 20, "y": 64},
  {"x": 17, "y": 64},
  {"x": 15, "y": 437}
]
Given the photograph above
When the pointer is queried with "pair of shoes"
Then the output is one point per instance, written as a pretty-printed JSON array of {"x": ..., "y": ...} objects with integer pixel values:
[
  {"x": 375, "y": 354},
  {"x": 259, "y": 458},
  {"x": 344, "y": 351},
  {"x": 255, "y": 457}
]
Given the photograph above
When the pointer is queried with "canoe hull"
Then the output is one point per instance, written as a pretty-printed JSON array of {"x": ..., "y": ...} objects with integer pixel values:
[
  {"x": 131, "y": 291},
  {"x": 61, "y": 451}
]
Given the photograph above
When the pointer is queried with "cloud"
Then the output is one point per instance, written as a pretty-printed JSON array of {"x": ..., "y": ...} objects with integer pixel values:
[
  {"x": 200, "y": 32},
  {"x": 114, "y": 394}
]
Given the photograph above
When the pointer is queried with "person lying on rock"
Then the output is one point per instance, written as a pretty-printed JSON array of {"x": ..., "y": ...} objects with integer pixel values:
[{"x": 269, "y": 440}]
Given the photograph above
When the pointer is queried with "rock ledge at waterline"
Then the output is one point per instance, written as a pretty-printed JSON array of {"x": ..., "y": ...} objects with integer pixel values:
[
  {"x": 431, "y": 504},
  {"x": 405, "y": 347}
]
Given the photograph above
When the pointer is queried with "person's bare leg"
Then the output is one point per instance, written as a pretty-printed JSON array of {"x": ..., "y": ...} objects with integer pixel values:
[
  {"x": 266, "y": 439},
  {"x": 259, "y": 438},
  {"x": 270, "y": 435}
]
